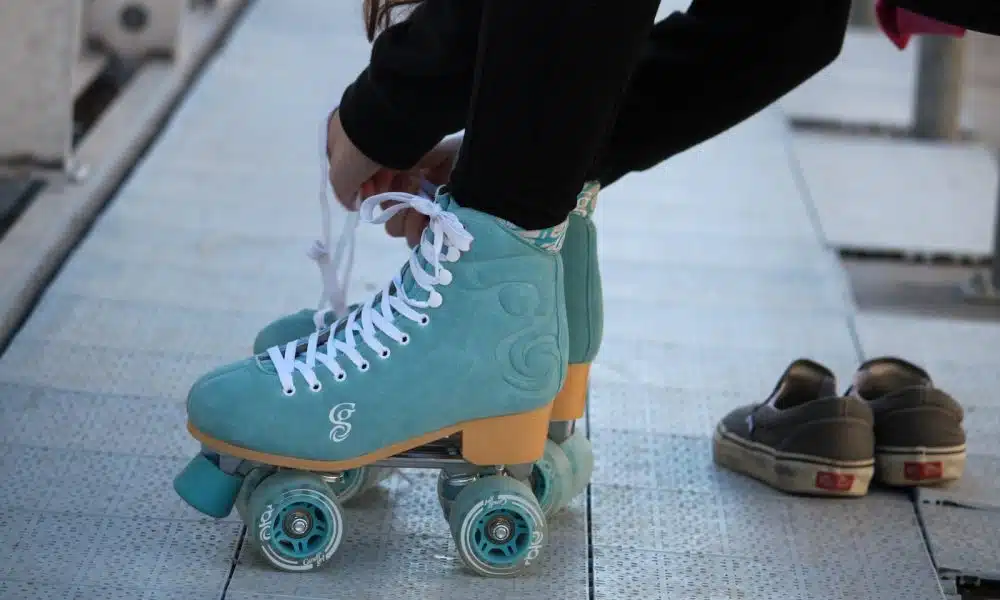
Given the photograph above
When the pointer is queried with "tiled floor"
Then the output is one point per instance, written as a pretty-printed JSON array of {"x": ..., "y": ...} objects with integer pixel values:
[{"x": 705, "y": 307}]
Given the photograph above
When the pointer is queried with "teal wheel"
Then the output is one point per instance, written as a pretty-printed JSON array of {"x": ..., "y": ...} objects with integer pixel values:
[
  {"x": 295, "y": 520},
  {"x": 580, "y": 453},
  {"x": 204, "y": 486},
  {"x": 498, "y": 527},
  {"x": 552, "y": 479},
  {"x": 250, "y": 482},
  {"x": 356, "y": 482},
  {"x": 448, "y": 488}
]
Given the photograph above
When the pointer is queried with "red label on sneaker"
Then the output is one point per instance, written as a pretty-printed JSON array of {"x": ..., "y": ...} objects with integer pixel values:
[
  {"x": 834, "y": 482},
  {"x": 922, "y": 471}
]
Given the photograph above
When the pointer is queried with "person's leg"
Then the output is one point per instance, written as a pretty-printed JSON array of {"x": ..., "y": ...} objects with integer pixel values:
[
  {"x": 713, "y": 66},
  {"x": 470, "y": 337},
  {"x": 543, "y": 102}
]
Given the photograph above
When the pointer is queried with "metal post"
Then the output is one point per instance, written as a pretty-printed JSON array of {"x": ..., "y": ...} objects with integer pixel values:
[
  {"x": 862, "y": 13},
  {"x": 982, "y": 287},
  {"x": 938, "y": 101},
  {"x": 995, "y": 264}
]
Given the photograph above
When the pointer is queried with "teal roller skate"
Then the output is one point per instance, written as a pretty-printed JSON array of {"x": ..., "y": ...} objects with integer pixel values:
[
  {"x": 401, "y": 381},
  {"x": 565, "y": 469}
]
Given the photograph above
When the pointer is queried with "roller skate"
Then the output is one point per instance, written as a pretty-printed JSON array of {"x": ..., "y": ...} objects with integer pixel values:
[
  {"x": 565, "y": 470},
  {"x": 401, "y": 381}
]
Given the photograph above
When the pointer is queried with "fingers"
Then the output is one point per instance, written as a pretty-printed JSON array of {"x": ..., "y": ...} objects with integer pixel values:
[
  {"x": 413, "y": 226},
  {"x": 407, "y": 224},
  {"x": 394, "y": 226},
  {"x": 390, "y": 181}
]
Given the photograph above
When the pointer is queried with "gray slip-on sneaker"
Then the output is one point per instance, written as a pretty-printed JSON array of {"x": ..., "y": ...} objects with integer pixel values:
[
  {"x": 804, "y": 439},
  {"x": 919, "y": 439}
]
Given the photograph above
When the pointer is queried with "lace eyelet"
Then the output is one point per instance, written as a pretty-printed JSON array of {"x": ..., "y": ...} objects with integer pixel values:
[
  {"x": 385, "y": 353},
  {"x": 404, "y": 340},
  {"x": 340, "y": 376},
  {"x": 317, "y": 387},
  {"x": 424, "y": 319},
  {"x": 289, "y": 391},
  {"x": 364, "y": 366}
]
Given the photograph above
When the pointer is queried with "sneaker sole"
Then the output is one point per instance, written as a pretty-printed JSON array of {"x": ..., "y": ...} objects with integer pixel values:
[
  {"x": 793, "y": 473},
  {"x": 912, "y": 467}
]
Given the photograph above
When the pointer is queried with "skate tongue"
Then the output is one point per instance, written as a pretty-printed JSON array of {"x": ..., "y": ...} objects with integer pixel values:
[{"x": 409, "y": 284}]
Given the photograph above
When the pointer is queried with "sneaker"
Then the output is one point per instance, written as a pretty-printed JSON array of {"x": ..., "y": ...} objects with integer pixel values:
[
  {"x": 919, "y": 439},
  {"x": 804, "y": 439}
]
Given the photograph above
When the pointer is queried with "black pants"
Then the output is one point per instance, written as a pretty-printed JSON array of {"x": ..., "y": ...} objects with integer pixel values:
[
  {"x": 546, "y": 90},
  {"x": 557, "y": 92},
  {"x": 543, "y": 101}
]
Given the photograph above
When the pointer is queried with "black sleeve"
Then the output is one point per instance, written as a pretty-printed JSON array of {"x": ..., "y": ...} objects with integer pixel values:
[
  {"x": 975, "y": 15},
  {"x": 708, "y": 69},
  {"x": 416, "y": 87}
]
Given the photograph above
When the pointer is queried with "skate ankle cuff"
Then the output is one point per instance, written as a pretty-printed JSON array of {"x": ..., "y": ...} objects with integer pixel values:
[
  {"x": 586, "y": 200},
  {"x": 548, "y": 240}
]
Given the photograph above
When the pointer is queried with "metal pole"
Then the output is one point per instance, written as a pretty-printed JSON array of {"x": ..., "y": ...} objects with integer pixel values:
[
  {"x": 862, "y": 13},
  {"x": 995, "y": 259},
  {"x": 938, "y": 101},
  {"x": 982, "y": 286}
]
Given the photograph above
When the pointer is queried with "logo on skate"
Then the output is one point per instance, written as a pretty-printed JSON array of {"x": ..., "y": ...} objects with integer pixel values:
[
  {"x": 264, "y": 525},
  {"x": 340, "y": 416}
]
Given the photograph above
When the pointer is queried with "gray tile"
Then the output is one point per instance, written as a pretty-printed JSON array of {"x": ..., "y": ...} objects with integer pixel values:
[
  {"x": 928, "y": 339},
  {"x": 978, "y": 488},
  {"x": 92, "y": 483},
  {"x": 103, "y": 370},
  {"x": 705, "y": 369},
  {"x": 126, "y": 325},
  {"x": 663, "y": 462},
  {"x": 754, "y": 252},
  {"x": 931, "y": 197},
  {"x": 724, "y": 288},
  {"x": 957, "y": 540},
  {"x": 57, "y": 419},
  {"x": 981, "y": 426},
  {"x": 795, "y": 334},
  {"x": 871, "y": 83},
  {"x": 638, "y": 407}
]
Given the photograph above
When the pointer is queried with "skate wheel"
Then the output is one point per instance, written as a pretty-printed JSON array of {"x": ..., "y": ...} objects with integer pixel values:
[
  {"x": 295, "y": 520},
  {"x": 207, "y": 488},
  {"x": 498, "y": 526},
  {"x": 448, "y": 489},
  {"x": 581, "y": 460},
  {"x": 250, "y": 483},
  {"x": 356, "y": 482},
  {"x": 552, "y": 479}
]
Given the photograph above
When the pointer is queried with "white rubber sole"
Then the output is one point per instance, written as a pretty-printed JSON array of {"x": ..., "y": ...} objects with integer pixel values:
[
  {"x": 911, "y": 467},
  {"x": 793, "y": 473}
]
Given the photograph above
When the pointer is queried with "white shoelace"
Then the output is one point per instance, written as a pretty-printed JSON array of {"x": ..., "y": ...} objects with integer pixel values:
[
  {"x": 335, "y": 270},
  {"x": 444, "y": 239}
]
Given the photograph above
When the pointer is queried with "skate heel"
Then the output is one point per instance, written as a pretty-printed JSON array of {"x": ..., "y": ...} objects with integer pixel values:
[
  {"x": 509, "y": 440},
  {"x": 571, "y": 401}
]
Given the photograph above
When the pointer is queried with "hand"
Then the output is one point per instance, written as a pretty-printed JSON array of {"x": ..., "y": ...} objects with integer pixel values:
[
  {"x": 435, "y": 166},
  {"x": 349, "y": 168}
]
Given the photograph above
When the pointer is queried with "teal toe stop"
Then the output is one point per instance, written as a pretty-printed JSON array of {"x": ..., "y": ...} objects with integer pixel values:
[{"x": 206, "y": 488}]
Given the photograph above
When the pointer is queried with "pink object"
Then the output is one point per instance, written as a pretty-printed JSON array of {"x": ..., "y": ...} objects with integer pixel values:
[{"x": 899, "y": 24}]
